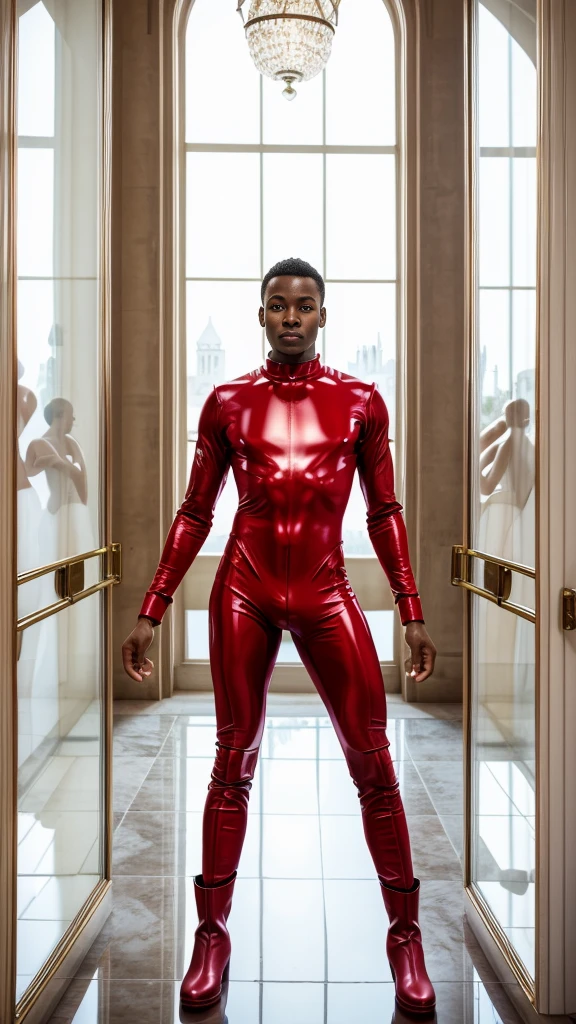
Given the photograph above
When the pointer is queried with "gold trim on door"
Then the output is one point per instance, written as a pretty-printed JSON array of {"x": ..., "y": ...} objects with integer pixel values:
[
  {"x": 497, "y": 574},
  {"x": 69, "y": 581}
]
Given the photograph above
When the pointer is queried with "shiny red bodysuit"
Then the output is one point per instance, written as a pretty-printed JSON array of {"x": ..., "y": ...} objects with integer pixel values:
[{"x": 294, "y": 435}]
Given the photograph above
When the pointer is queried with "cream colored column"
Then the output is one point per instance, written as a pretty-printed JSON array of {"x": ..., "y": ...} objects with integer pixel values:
[
  {"x": 142, "y": 456},
  {"x": 7, "y": 518},
  {"x": 556, "y": 726},
  {"x": 436, "y": 340}
]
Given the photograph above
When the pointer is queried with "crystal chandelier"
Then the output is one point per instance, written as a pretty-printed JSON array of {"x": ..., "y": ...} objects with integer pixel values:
[{"x": 290, "y": 39}]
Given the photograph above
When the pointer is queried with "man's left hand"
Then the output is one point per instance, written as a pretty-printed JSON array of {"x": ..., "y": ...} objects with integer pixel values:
[{"x": 423, "y": 653}]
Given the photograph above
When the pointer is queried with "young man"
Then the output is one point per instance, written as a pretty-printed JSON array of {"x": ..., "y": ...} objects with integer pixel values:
[{"x": 294, "y": 432}]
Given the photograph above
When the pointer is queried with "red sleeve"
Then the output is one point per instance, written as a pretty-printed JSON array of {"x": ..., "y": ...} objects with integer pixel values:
[
  {"x": 386, "y": 526},
  {"x": 193, "y": 519}
]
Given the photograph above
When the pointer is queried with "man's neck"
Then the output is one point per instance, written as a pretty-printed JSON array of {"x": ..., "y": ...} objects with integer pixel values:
[{"x": 284, "y": 357}]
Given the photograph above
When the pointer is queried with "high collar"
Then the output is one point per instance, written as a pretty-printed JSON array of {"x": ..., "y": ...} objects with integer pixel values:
[{"x": 287, "y": 372}]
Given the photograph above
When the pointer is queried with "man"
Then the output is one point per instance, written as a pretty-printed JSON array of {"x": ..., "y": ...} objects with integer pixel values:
[{"x": 294, "y": 432}]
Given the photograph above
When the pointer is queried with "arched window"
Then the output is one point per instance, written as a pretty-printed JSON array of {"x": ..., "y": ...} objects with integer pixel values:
[{"x": 267, "y": 179}]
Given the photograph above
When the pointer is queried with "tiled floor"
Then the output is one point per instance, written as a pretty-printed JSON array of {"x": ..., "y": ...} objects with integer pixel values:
[{"x": 308, "y": 924}]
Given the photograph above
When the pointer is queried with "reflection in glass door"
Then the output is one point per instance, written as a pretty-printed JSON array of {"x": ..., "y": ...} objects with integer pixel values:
[
  {"x": 62, "y": 802},
  {"x": 499, "y": 566}
]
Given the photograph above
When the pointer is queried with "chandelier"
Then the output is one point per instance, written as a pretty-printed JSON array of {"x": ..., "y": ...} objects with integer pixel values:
[{"x": 290, "y": 40}]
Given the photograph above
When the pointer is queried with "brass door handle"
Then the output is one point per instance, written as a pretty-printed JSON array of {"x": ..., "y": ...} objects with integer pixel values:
[
  {"x": 497, "y": 578},
  {"x": 69, "y": 581},
  {"x": 568, "y": 609}
]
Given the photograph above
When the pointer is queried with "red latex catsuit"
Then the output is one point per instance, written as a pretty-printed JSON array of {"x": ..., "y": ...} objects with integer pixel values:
[{"x": 294, "y": 435}]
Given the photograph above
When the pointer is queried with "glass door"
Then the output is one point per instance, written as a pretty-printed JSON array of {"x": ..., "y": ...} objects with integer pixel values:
[
  {"x": 498, "y": 566},
  {"x": 65, "y": 560}
]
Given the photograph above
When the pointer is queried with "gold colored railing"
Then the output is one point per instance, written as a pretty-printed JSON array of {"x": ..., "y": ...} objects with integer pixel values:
[
  {"x": 69, "y": 580},
  {"x": 497, "y": 578}
]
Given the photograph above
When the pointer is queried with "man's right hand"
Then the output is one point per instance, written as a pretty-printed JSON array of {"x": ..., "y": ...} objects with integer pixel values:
[{"x": 134, "y": 648}]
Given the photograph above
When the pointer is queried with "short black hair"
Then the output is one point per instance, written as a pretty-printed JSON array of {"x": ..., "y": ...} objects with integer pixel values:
[{"x": 294, "y": 267}]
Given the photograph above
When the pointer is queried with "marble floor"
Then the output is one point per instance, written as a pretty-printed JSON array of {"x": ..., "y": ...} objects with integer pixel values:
[{"x": 308, "y": 924}]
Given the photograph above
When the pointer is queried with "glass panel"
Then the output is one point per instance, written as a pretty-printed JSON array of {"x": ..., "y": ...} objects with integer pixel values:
[
  {"x": 293, "y": 124},
  {"x": 223, "y": 215},
  {"x": 301, "y": 203},
  {"x": 60, "y": 762},
  {"x": 58, "y": 495},
  {"x": 503, "y": 822},
  {"x": 503, "y": 486},
  {"x": 361, "y": 216},
  {"x": 59, "y": 776},
  {"x": 362, "y": 64},
  {"x": 222, "y": 84}
]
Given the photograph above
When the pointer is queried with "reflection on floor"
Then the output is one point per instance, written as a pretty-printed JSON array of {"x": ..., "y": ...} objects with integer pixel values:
[{"x": 308, "y": 924}]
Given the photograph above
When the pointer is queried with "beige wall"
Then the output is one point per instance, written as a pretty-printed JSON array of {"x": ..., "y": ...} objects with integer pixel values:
[
  {"x": 143, "y": 482},
  {"x": 136, "y": 334}
]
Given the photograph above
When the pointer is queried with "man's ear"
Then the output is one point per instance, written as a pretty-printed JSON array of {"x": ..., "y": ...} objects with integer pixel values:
[
  {"x": 261, "y": 316},
  {"x": 323, "y": 317}
]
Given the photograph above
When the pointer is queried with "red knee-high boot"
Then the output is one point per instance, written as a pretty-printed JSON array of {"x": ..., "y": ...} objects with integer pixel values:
[
  {"x": 414, "y": 991},
  {"x": 202, "y": 984},
  {"x": 389, "y": 843}
]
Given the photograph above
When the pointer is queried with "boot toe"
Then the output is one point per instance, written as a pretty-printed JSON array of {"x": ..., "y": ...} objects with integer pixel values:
[
  {"x": 199, "y": 992},
  {"x": 419, "y": 998}
]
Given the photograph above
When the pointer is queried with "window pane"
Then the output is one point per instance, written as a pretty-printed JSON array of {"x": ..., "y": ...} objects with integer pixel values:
[
  {"x": 361, "y": 216},
  {"x": 360, "y": 335},
  {"x": 35, "y": 212},
  {"x": 494, "y": 221},
  {"x": 224, "y": 340},
  {"x": 524, "y": 97},
  {"x": 494, "y": 323},
  {"x": 223, "y": 513},
  {"x": 524, "y": 224},
  {"x": 524, "y": 349},
  {"x": 36, "y": 72},
  {"x": 493, "y": 68},
  {"x": 362, "y": 66},
  {"x": 293, "y": 207},
  {"x": 222, "y": 84},
  {"x": 298, "y": 122},
  {"x": 360, "y": 338},
  {"x": 223, "y": 335},
  {"x": 223, "y": 215}
]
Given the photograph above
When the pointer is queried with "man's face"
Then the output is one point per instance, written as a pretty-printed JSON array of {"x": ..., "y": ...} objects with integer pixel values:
[{"x": 292, "y": 314}]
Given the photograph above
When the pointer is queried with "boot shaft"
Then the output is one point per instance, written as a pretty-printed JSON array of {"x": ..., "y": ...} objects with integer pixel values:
[{"x": 213, "y": 903}]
